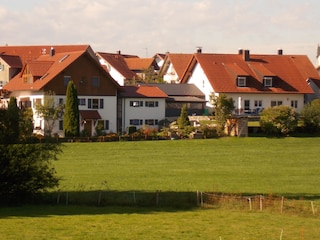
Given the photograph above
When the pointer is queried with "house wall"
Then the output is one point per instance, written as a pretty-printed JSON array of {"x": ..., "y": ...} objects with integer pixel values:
[
  {"x": 201, "y": 81},
  {"x": 171, "y": 76},
  {"x": 266, "y": 99},
  {"x": 142, "y": 112},
  {"x": 4, "y": 73},
  {"x": 81, "y": 72}
]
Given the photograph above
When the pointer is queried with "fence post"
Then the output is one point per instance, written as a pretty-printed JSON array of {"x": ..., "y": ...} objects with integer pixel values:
[
  {"x": 250, "y": 204},
  {"x": 58, "y": 197},
  {"x": 201, "y": 198},
  {"x": 67, "y": 198},
  {"x": 282, "y": 203},
  {"x": 312, "y": 207},
  {"x": 157, "y": 197},
  {"x": 134, "y": 197},
  {"x": 198, "y": 202},
  {"x": 99, "y": 197},
  {"x": 261, "y": 203}
]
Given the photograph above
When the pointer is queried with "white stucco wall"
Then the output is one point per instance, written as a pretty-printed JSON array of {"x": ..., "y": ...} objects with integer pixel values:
[
  {"x": 143, "y": 112},
  {"x": 171, "y": 75}
]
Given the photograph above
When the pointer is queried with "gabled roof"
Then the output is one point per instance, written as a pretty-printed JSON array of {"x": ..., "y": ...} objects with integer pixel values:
[
  {"x": 141, "y": 92},
  {"x": 33, "y": 52},
  {"x": 12, "y": 61},
  {"x": 179, "y": 61},
  {"x": 140, "y": 64},
  {"x": 118, "y": 62},
  {"x": 290, "y": 72},
  {"x": 45, "y": 66}
]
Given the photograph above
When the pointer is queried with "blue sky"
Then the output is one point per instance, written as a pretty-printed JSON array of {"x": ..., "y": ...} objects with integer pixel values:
[{"x": 146, "y": 27}]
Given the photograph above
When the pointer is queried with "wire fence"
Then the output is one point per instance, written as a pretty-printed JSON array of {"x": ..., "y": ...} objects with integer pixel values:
[{"x": 258, "y": 203}]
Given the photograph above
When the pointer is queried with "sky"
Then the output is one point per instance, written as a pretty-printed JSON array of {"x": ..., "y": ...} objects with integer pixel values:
[{"x": 147, "y": 27}]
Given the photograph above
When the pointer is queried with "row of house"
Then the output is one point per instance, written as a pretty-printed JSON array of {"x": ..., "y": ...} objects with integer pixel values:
[{"x": 119, "y": 90}]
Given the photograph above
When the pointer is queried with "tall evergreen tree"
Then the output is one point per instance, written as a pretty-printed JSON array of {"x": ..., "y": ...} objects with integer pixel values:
[
  {"x": 71, "y": 114},
  {"x": 12, "y": 118}
]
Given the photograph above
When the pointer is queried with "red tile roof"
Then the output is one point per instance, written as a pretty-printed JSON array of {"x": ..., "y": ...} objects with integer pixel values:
[
  {"x": 179, "y": 61},
  {"x": 45, "y": 66},
  {"x": 140, "y": 64},
  {"x": 118, "y": 62},
  {"x": 142, "y": 92},
  {"x": 290, "y": 72},
  {"x": 33, "y": 52},
  {"x": 12, "y": 61}
]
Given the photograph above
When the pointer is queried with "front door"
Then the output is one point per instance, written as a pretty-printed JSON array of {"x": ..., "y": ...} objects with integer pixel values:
[{"x": 88, "y": 127}]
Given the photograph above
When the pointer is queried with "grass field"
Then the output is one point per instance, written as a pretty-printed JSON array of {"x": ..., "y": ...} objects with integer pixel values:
[
  {"x": 288, "y": 166},
  {"x": 284, "y": 166}
]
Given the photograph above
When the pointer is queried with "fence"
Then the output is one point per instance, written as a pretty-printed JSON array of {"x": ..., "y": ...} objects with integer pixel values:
[
  {"x": 258, "y": 203},
  {"x": 184, "y": 199}
]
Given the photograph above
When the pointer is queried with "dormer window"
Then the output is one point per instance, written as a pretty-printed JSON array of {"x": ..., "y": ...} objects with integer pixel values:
[
  {"x": 267, "y": 81},
  {"x": 241, "y": 81}
]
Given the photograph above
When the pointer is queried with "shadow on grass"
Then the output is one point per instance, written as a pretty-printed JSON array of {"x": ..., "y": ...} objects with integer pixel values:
[{"x": 118, "y": 202}]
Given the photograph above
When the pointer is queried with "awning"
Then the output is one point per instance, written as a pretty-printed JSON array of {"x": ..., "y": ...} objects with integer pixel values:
[{"x": 90, "y": 114}]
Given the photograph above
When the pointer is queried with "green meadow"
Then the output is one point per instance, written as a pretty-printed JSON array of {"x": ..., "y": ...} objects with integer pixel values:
[{"x": 287, "y": 167}]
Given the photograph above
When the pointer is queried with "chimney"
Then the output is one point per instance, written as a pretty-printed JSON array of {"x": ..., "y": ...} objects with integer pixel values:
[
  {"x": 199, "y": 49},
  {"x": 119, "y": 52},
  {"x": 246, "y": 55},
  {"x": 52, "y": 51},
  {"x": 240, "y": 51},
  {"x": 280, "y": 52}
]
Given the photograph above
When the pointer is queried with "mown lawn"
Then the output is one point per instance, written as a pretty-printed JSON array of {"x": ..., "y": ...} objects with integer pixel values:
[
  {"x": 83, "y": 222},
  {"x": 284, "y": 166},
  {"x": 232, "y": 165}
]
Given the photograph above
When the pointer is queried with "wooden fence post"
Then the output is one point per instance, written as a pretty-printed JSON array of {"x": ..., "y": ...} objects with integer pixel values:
[{"x": 282, "y": 203}]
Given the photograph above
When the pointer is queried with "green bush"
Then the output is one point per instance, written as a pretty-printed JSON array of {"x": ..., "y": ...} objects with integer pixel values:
[
  {"x": 311, "y": 116},
  {"x": 279, "y": 120}
]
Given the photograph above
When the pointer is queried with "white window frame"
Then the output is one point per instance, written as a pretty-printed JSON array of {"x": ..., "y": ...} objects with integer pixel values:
[
  {"x": 267, "y": 81},
  {"x": 241, "y": 81}
]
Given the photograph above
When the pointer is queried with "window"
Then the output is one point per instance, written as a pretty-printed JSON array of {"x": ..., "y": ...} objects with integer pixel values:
[
  {"x": 247, "y": 105},
  {"x": 276, "y": 103},
  {"x": 136, "y": 103},
  {"x": 152, "y": 104},
  {"x": 1, "y": 84},
  {"x": 104, "y": 123},
  {"x": 95, "y": 103},
  {"x": 66, "y": 80},
  {"x": 151, "y": 122},
  {"x": 258, "y": 103},
  {"x": 294, "y": 103},
  {"x": 60, "y": 101},
  {"x": 95, "y": 81},
  {"x": 36, "y": 102},
  {"x": 267, "y": 81},
  {"x": 60, "y": 125},
  {"x": 82, "y": 101},
  {"x": 241, "y": 81},
  {"x": 136, "y": 122}
]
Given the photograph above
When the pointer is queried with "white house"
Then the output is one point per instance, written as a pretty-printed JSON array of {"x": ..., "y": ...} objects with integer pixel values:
[
  {"x": 253, "y": 81},
  {"x": 141, "y": 106},
  {"x": 50, "y": 68}
]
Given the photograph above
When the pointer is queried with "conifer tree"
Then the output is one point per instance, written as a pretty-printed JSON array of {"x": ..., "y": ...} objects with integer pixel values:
[
  {"x": 71, "y": 114},
  {"x": 12, "y": 118},
  {"x": 183, "y": 120}
]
